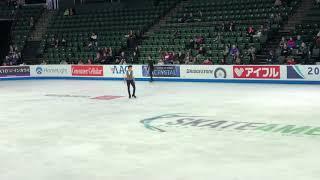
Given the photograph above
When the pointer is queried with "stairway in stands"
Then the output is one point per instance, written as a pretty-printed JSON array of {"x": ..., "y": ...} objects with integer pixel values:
[
  {"x": 163, "y": 20},
  {"x": 31, "y": 50},
  {"x": 286, "y": 29}
]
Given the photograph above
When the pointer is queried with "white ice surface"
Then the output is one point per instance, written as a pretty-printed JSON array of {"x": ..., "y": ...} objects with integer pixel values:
[{"x": 65, "y": 138}]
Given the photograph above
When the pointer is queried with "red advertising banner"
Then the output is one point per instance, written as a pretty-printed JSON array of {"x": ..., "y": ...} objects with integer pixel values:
[
  {"x": 78, "y": 70},
  {"x": 256, "y": 72}
]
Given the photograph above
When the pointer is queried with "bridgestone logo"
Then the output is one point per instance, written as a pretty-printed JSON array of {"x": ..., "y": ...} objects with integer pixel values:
[{"x": 199, "y": 71}]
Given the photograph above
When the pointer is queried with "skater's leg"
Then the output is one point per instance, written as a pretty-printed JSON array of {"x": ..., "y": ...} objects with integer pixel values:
[
  {"x": 128, "y": 86},
  {"x": 151, "y": 75},
  {"x": 134, "y": 88}
]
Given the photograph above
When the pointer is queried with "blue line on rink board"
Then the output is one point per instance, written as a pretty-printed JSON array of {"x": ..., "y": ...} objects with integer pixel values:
[{"x": 169, "y": 80}]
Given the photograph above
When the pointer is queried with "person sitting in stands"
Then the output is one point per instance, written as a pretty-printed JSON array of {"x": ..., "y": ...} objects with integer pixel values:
[
  {"x": 202, "y": 51},
  {"x": 66, "y": 12},
  {"x": 252, "y": 54},
  {"x": 207, "y": 62},
  {"x": 231, "y": 27},
  {"x": 122, "y": 59},
  {"x": 285, "y": 51},
  {"x": 234, "y": 51},
  {"x": 317, "y": 40},
  {"x": 271, "y": 57},
  {"x": 64, "y": 42},
  {"x": 250, "y": 31},
  {"x": 278, "y": 3},
  {"x": 303, "y": 52},
  {"x": 291, "y": 43},
  {"x": 181, "y": 58},
  {"x": 298, "y": 41},
  {"x": 94, "y": 39},
  {"x": 80, "y": 62},
  {"x": 291, "y": 61},
  {"x": 183, "y": 19},
  {"x": 282, "y": 42}
]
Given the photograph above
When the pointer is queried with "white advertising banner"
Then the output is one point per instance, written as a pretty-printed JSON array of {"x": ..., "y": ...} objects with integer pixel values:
[
  {"x": 303, "y": 72},
  {"x": 119, "y": 71},
  {"x": 51, "y": 70},
  {"x": 206, "y": 72}
]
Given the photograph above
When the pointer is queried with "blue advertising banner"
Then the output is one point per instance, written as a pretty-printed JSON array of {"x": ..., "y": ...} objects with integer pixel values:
[{"x": 162, "y": 71}]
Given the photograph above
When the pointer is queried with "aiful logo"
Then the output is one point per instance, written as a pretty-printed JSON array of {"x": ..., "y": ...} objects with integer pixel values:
[{"x": 165, "y": 122}]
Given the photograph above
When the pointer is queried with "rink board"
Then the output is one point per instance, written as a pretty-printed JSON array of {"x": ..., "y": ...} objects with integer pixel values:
[{"x": 277, "y": 74}]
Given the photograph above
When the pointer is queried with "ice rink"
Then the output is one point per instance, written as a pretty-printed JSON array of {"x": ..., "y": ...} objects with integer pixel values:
[{"x": 86, "y": 130}]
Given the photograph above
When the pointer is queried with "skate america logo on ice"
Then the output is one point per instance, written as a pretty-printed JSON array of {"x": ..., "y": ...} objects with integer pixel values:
[
  {"x": 166, "y": 122},
  {"x": 87, "y": 70},
  {"x": 49, "y": 70},
  {"x": 257, "y": 72},
  {"x": 217, "y": 73}
]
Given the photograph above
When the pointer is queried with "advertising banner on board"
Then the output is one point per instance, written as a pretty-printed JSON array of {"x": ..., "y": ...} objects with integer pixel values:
[
  {"x": 13, "y": 71},
  {"x": 87, "y": 70},
  {"x": 162, "y": 71},
  {"x": 303, "y": 72},
  {"x": 51, "y": 70},
  {"x": 206, "y": 72},
  {"x": 119, "y": 71},
  {"x": 256, "y": 72}
]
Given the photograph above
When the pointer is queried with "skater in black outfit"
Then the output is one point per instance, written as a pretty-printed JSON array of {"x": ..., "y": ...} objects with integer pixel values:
[
  {"x": 130, "y": 81},
  {"x": 150, "y": 68}
]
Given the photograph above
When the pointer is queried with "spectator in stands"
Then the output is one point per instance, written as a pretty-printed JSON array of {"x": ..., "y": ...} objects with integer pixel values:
[
  {"x": 181, "y": 58},
  {"x": 285, "y": 51},
  {"x": 80, "y": 62},
  {"x": 238, "y": 60},
  {"x": 225, "y": 54},
  {"x": 122, "y": 58},
  {"x": 291, "y": 43},
  {"x": 271, "y": 57},
  {"x": 56, "y": 43},
  {"x": 199, "y": 17},
  {"x": 199, "y": 40},
  {"x": 66, "y": 12},
  {"x": 63, "y": 42},
  {"x": 234, "y": 52},
  {"x": 131, "y": 40},
  {"x": 202, "y": 51},
  {"x": 217, "y": 38},
  {"x": 44, "y": 62},
  {"x": 63, "y": 62},
  {"x": 94, "y": 39},
  {"x": 290, "y": 61},
  {"x": 282, "y": 42},
  {"x": 207, "y": 62},
  {"x": 250, "y": 31},
  {"x": 31, "y": 23},
  {"x": 317, "y": 40},
  {"x": 252, "y": 55},
  {"x": 160, "y": 62},
  {"x": 223, "y": 27},
  {"x": 183, "y": 19},
  {"x": 298, "y": 41},
  {"x": 277, "y": 3},
  {"x": 134, "y": 58},
  {"x": 303, "y": 52},
  {"x": 231, "y": 26}
]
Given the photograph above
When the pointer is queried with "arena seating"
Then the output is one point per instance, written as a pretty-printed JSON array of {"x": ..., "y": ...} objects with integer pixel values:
[
  {"x": 111, "y": 23},
  {"x": 21, "y": 28},
  {"x": 243, "y": 13}
]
